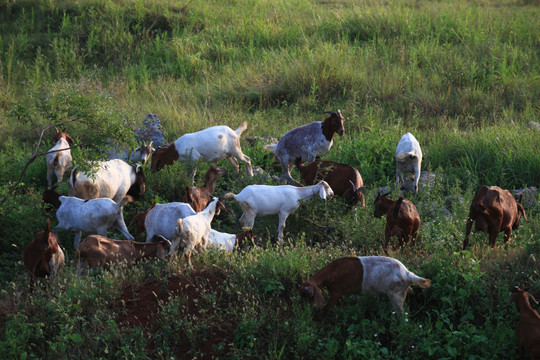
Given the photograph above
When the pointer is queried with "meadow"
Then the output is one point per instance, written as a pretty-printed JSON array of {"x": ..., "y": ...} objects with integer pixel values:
[{"x": 462, "y": 76}]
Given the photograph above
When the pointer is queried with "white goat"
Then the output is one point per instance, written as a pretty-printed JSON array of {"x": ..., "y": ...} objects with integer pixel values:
[
  {"x": 306, "y": 143},
  {"x": 59, "y": 161},
  {"x": 162, "y": 219},
  {"x": 193, "y": 231},
  {"x": 225, "y": 241},
  {"x": 209, "y": 145},
  {"x": 93, "y": 216},
  {"x": 262, "y": 200},
  {"x": 408, "y": 158},
  {"x": 362, "y": 275}
]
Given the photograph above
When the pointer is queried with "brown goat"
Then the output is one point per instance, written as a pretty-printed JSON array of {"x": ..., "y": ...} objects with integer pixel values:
[
  {"x": 362, "y": 275},
  {"x": 528, "y": 328},
  {"x": 402, "y": 219},
  {"x": 199, "y": 197},
  {"x": 96, "y": 251},
  {"x": 344, "y": 180},
  {"x": 138, "y": 221},
  {"x": 494, "y": 210},
  {"x": 43, "y": 256}
]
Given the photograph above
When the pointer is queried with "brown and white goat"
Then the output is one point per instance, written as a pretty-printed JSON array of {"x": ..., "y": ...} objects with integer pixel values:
[
  {"x": 402, "y": 219},
  {"x": 493, "y": 210},
  {"x": 344, "y": 180},
  {"x": 209, "y": 145},
  {"x": 43, "y": 256},
  {"x": 528, "y": 328},
  {"x": 306, "y": 142},
  {"x": 59, "y": 156},
  {"x": 200, "y": 197},
  {"x": 362, "y": 275},
  {"x": 96, "y": 251}
]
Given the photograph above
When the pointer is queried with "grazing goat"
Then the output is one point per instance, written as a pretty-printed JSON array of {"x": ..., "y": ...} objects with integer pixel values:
[
  {"x": 113, "y": 179},
  {"x": 199, "y": 197},
  {"x": 139, "y": 219},
  {"x": 141, "y": 154},
  {"x": 362, "y": 275},
  {"x": 402, "y": 219},
  {"x": 43, "y": 256},
  {"x": 344, "y": 180},
  {"x": 528, "y": 328},
  {"x": 306, "y": 142},
  {"x": 162, "y": 219},
  {"x": 94, "y": 216},
  {"x": 262, "y": 200},
  {"x": 209, "y": 145},
  {"x": 193, "y": 231},
  {"x": 59, "y": 156},
  {"x": 224, "y": 241},
  {"x": 97, "y": 251},
  {"x": 408, "y": 158},
  {"x": 493, "y": 210}
]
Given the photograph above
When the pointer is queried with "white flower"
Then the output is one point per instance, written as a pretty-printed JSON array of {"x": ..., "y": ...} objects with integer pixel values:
[{"x": 375, "y": 335}]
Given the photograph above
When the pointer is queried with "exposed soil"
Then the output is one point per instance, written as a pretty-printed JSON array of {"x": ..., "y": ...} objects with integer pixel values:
[{"x": 139, "y": 307}]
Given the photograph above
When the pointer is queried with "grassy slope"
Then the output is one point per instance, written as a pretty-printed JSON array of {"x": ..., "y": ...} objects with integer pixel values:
[{"x": 462, "y": 76}]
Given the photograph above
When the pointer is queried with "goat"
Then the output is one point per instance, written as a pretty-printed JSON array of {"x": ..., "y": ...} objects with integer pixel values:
[
  {"x": 209, "y": 145},
  {"x": 59, "y": 158},
  {"x": 493, "y": 210},
  {"x": 528, "y": 328},
  {"x": 402, "y": 219},
  {"x": 344, "y": 180},
  {"x": 306, "y": 142},
  {"x": 94, "y": 216},
  {"x": 408, "y": 158},
  {"x": 139, "y": 219},
  {"x": 199, "y": 197},
  {"x": 43, "y": 256},
  {"x": 262, "y": 200},
  {"x": 114, "y": 179},
  {"x": 193, "y": 231},
  {"x": 362, "y": 275},
  {"x": 162, "y": 219},
  {"x": 97, "y": 251},
  {"x": 224, "y": 241},
  {"x": 141, "y": 153}
]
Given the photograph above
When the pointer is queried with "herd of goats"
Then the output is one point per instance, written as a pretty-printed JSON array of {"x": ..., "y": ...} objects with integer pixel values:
[{"x": 96, "y": 200}]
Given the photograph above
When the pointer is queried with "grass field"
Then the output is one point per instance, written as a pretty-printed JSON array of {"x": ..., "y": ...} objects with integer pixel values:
[{"x": 462, "y": 76}]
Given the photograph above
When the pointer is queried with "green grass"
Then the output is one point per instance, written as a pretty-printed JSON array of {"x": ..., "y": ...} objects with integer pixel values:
[{"x": 462, "y": 76}]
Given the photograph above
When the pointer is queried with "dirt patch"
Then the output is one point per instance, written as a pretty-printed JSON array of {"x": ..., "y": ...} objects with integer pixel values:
[{"x": 140, "y": 307}]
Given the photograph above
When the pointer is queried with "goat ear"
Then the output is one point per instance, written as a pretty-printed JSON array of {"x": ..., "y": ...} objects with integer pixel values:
[
  {"x": 318, "y": 297},
  {"x": 322, "y": 193},
  {"x": 531, "y": 297}
]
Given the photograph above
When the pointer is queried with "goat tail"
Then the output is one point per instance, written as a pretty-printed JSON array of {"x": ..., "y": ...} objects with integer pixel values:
[
  {"x": 229, "y": 195},
  {"x": 406, "y": 155},
  {"x": 74, "y": 175},
  {"x": 127, "y": 199},
  {"x": 241, "y": 128},
  {"x": 398, "y": 206},
  {"x": 521, "y": 211},
  {"x": 271, "y": 148},
  {"x": 417, "y": 280}
]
